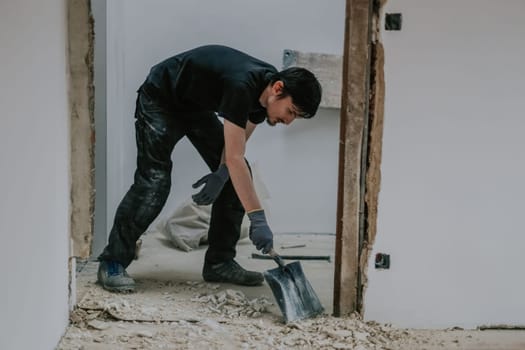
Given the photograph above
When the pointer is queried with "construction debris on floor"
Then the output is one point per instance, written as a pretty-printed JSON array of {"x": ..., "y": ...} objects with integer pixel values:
[
  {"x": 197, "y": 315},
  {"x": 173, "y": 308}
]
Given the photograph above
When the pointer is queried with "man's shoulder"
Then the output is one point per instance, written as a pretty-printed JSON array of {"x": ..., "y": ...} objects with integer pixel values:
[
  {"x": 213, "y": 50},
  {"x": 223, "y": 55}
]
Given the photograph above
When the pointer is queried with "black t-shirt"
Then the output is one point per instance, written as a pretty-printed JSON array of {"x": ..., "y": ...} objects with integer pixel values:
[{"x": 212, "y": 78}]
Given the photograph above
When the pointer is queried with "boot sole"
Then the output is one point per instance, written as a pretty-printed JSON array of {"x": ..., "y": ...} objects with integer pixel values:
[
  {"x": 218, "y": 280},
  {"x": 121, "y": 289}
]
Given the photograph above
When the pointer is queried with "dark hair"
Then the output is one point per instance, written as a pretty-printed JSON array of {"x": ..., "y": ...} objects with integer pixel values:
[{"x": 303, "y": 87}]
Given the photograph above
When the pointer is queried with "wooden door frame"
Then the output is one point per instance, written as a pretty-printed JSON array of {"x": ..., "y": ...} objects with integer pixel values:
[
  {"x": 82, "y": 129},
  {"x": 361, "y": 126}
]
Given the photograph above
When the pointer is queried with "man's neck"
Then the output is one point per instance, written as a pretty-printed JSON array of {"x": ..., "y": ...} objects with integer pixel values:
[{"x": 263, "y": 99}]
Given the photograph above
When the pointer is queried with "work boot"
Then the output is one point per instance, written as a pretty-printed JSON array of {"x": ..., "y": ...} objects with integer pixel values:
[
  {"x": 113, "y": 277},
  {"x": 231, "y": 272}
]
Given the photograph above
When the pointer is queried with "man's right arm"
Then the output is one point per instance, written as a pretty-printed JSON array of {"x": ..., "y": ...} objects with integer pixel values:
[{"x": 234, "y": 149}]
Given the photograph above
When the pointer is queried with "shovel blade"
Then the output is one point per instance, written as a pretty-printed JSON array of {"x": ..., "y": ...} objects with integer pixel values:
[{"x": 293, "y": 293}]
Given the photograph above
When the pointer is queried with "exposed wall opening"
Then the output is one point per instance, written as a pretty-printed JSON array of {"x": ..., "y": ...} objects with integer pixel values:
[{"x": 360, "y": 140}]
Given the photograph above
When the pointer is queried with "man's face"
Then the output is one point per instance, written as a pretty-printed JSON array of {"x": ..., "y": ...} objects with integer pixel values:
[{"x": 280, "y": 110}]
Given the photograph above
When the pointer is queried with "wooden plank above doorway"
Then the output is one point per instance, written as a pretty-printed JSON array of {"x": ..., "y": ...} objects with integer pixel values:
[{"x": 326, "y": 67}]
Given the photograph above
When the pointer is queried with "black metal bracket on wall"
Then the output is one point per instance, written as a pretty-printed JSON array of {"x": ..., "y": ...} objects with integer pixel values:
[{"x": 393, "y": 21}]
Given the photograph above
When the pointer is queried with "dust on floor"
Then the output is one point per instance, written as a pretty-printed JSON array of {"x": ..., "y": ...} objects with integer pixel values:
[
  {"x": 167, "y": 312},
  {"x": 199, "y": 315}
]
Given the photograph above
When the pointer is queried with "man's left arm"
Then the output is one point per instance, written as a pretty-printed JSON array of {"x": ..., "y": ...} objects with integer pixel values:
[{"x": 214, "y": 181}]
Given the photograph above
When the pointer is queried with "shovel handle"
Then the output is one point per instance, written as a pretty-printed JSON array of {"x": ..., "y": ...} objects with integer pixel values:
[{"x": 277, "y": 258}]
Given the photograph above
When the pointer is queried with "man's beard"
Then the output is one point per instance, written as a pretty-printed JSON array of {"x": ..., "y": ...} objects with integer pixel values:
[{"x": 269, "y": 122}]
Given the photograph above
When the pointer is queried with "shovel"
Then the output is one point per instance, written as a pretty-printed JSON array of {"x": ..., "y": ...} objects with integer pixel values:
[{"x": 294, "y": 294}]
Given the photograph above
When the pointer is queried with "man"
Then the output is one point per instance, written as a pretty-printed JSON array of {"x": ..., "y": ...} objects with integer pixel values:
[{"x": 183, "y": 96}]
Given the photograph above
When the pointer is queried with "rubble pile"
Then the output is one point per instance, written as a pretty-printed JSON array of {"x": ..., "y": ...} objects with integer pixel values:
[
  {"x": 233, "y": 303},
  {"x": 199, "y": 315},
  {"x": 331, "y": 333}
]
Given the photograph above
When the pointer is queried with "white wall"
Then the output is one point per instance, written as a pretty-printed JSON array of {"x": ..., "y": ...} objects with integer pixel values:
[
  {"x": 452, "y": 194},
  {"x": 34, "y": 181},
  {"x": 297, "y": 163}
]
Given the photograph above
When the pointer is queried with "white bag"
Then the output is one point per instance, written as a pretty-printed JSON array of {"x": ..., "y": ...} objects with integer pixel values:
[{"x": 187, "y": 228}]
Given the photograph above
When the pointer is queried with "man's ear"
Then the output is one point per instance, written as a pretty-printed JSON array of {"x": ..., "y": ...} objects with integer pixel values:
[{"x": 277, "y": 87}]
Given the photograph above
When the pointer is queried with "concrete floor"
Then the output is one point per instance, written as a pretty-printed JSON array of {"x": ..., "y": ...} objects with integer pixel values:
[{"x": 159, "y": 261}]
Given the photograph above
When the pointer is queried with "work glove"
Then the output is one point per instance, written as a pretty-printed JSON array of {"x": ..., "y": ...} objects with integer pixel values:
[
  {"x": 260, "y": 233},
  {"x": 213, "y": 184}
]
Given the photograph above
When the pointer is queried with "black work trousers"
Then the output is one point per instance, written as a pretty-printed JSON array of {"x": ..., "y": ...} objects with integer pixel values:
[{"x": 157, "y": 132}]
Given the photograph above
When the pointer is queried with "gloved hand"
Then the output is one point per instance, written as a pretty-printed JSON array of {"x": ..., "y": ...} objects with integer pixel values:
[
  {"x": 260, "y": 233},
  {"x": 214, "y": 182}
]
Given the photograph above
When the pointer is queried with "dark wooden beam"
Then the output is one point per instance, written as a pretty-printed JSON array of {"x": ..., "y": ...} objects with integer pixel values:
[{"x": 354, "y": 121}]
